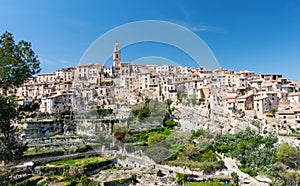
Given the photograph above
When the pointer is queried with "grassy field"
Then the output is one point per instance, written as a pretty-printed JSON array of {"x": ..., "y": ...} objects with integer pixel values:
[
  {"x": 35, "y": 152},
  {"x": 80, "y": 161}
]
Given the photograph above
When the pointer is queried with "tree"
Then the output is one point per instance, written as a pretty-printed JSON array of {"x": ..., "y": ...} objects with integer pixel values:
[
  {"x": 235, "y": 178},
  {"x": 142, "y": 111},
  {"x": 119, "y": 132},
  {"x": 181, "y": 95},
  {"x": 17, "y": 63},
  {"x": 193, "y": 98},
  {"x": 168, "y": 104},
  {"x": 288, "y": 155},
  {"x": 10, "y": 147}
]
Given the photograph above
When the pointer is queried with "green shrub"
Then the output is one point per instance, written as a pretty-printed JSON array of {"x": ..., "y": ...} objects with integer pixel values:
[
  {"x": 170, "y": 124},
  {"x": 235, "y": 178},
  {"x": 84, "y": 148},
  {"x": 224, "y": 148},
  {"x": 179, "y": 178},
  {"x": 84, "y": 180},
  {"x": 42, "y": 182},
  {"x": 198, "y": 133},
  {"x": 249, "y": 171}
]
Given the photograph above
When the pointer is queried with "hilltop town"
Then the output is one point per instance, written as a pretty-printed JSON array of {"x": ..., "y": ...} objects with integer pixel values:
[
  {"x": 154, "y": 124},
  {"x": 262, "y": 96}
]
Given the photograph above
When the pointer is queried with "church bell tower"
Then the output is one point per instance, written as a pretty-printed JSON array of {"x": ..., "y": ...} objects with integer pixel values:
[{"x": 116, "y": 56}]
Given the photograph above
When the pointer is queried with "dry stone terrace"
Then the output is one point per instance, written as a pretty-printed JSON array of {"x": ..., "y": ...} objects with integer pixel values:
[{"x": 60, "y": 147}]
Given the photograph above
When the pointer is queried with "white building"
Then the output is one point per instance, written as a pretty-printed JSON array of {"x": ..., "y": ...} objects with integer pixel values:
[
  {"x": 163, "y": 69},
  {"x": 57, "y": 102}
]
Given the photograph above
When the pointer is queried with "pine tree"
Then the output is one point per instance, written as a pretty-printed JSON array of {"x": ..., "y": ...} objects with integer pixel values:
[{"x": 17, "y": 62}]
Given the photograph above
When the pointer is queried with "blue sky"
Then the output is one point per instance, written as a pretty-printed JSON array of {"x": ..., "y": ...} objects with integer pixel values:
[{"x": 258, "y": 35}]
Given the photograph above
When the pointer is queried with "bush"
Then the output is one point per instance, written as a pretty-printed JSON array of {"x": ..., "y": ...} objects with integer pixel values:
[
  {"x": 170, "y": 124},
  {"x": 120, "y": 132},
  {"x": 288, "y": 155},
  {"x": 84, "y": 148},
  {"x": 235, "y": 178},
  {"x": 156, "y": 138},
  {"x": 84, "y": 180},
  {"x": 205, "y": 146},
  {"x": 224, "y": 148},
  {"x": 198, "y": 133},
  {"x": 179, "y": 178},
  {"x": 141, "y": 111},
  {"x": 211, "y": 166},
  {"x": 249, "y": 171}
]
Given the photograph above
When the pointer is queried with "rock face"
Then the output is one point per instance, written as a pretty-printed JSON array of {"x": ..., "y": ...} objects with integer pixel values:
[
  {"x": 91, "y": 127},
  {"x": 57, "y": 142},
  {"x": 194, "y": 118},
  {"x": 41, "y": 128},
  {"x": 92, "y": 121},
  {"x": 190, "y": 118}
]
